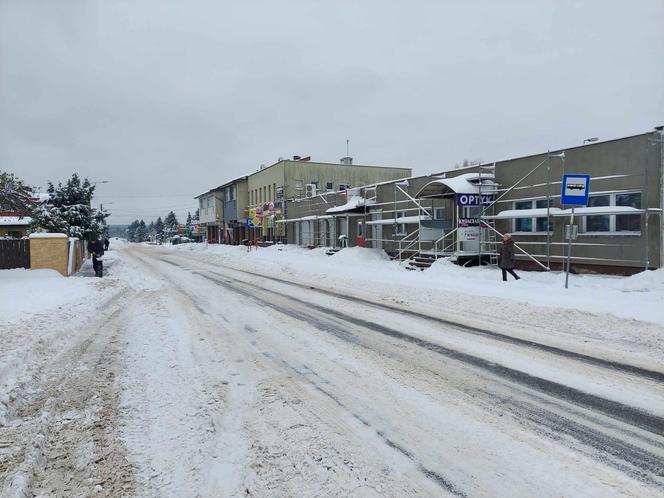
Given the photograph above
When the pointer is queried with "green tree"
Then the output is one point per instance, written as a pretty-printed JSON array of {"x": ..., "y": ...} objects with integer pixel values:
[
  {"x": 69, "y": 211},
  {"x": 171, "y": 224}
]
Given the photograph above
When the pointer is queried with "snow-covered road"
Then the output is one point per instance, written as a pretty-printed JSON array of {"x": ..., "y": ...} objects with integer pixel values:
[{"x": 196, "y": 378}]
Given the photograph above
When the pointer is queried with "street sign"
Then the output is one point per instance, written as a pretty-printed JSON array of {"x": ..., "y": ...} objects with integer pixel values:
[{"x": 576, "y": 189}]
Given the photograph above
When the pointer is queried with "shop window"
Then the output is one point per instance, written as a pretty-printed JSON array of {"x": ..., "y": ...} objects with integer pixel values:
[
  {"x": 531, "y": 225},
  {"x": 614, "y": 223}
]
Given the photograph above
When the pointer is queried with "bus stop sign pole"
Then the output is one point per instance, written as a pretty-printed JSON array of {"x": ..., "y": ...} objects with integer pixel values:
[{"x": 575, "y": 191}]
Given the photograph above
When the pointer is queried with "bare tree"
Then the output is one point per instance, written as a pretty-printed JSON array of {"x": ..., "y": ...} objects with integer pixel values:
[{"x": 14, "y": 195}]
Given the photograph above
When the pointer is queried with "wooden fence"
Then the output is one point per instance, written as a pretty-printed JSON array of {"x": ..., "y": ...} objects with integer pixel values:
[{"x": 14, "y": 254}]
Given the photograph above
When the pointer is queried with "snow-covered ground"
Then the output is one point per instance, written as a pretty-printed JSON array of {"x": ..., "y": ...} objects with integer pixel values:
[
  {"x": 200, "y": 370},
  {"x": 640, "y": 297}
]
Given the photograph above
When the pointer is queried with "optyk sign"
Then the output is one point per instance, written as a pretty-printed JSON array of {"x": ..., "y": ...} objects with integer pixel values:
[{"x": 474, "y": 199}]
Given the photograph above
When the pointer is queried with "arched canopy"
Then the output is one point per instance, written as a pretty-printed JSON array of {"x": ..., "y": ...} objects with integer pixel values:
[{"x": 468, "y": 183}]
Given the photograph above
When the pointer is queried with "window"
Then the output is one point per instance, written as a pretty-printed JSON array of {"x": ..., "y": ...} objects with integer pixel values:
[
  {"x": 614, "y": 223},
  {"x": 523, "y": 224},
  {"x": 269, "y": 193},
  {"x": 360, "y": 229},
  {"x": 227, "y": 193},
  {"x": 535, "y": 224},
  {"x": 233, "y": 192},
  {"x": 343, "y": 186},
  {"x": 439, "y": 213},
  {"x": 329, "y": 186}
]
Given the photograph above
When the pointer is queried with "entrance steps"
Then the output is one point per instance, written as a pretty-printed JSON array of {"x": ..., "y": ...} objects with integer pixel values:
[{"x": 422, "y": 261}]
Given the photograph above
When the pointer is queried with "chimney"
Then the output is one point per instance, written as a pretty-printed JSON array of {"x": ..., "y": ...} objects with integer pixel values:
[{"x": 347, "y": 160}]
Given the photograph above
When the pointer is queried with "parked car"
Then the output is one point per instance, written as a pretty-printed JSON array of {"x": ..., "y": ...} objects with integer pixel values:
[{"x": 181, "y": 239}]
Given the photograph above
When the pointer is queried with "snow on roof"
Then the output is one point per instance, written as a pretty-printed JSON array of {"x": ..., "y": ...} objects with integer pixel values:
[
  {"x": 580, "y": 211},
  {"x": 402, "y": 220},
  {"x": 462, "y": 184},
  {"x": 524, "y": 213},
  {"x": 48, "y": 236},
  {"x": 15, "y": 220},
  {"x": 354, "y": 202},
  {"x": 600, "y": 210}
]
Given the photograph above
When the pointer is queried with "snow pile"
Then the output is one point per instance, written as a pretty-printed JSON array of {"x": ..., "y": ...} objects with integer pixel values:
[{"x": 28, "y": 291}]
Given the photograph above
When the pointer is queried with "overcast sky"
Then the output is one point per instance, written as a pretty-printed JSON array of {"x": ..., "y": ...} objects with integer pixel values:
[{"x": 165, "y": 99}]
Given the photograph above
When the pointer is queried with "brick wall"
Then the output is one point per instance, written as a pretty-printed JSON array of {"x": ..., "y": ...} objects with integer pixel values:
[{"x": 49, "y": 251}]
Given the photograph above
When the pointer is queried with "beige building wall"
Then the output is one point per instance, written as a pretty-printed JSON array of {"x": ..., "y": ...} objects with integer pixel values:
[{"x": 49, "y": 251}]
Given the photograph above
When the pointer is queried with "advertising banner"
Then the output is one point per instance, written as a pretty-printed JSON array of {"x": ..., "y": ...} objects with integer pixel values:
[{"x": 469, "y": 229}]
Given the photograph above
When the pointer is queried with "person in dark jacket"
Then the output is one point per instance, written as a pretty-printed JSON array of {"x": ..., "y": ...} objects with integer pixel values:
[
  {"x": 96, "y": 248},
  {"x": 106, "y": 243},
  {"x": 506, "y": 262}
]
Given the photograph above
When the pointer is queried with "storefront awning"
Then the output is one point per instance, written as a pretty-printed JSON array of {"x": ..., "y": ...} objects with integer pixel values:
[{"x": 467, "y": 183}]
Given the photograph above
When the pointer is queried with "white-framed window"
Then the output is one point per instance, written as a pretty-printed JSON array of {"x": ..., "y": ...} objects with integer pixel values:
[
  {"x": 233, "y": 192},
  {"x": 227, "y": 194},
  {"x": 439, "y": 213},
  {"x": 530, "y": 225},
  {"x": 613, "y": 223}
]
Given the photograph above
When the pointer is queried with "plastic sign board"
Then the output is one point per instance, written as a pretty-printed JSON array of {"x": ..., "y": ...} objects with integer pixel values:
[
  {"x": 576, "y": 189},
  {"x": 474, "y": 199}
]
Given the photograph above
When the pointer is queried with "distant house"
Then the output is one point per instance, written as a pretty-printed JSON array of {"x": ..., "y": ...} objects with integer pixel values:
[
  {"x": 13, "y": 224},
  {"x": 235, "y": 200},
  {"x": 211, "y": 214}
]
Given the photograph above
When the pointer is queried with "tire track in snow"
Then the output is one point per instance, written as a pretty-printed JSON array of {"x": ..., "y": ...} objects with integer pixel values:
[
  {"x": 641, "y": 464},
  {"x": 632, "y": 416},
  {"x": 593, "y": 360}
]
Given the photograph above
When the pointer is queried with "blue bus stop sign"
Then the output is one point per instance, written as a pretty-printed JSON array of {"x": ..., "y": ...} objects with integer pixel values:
[{"x": 576, "y": 189}]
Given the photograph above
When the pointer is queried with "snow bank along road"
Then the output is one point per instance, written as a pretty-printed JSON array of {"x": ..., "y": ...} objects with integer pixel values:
[{"x": 203, "y": 380}]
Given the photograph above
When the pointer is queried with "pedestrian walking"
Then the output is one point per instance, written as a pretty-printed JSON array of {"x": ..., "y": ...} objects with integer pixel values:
[
  {"x": 506, "y": 262},
  {"x": 106, "y": 243},
  {"x": 96, "y": 248}
]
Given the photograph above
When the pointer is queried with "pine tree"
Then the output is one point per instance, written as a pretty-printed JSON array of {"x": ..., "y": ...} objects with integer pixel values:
[
  {"x": 151, "y": 231},
  {"x": 159, "y": 228},
  {"x": 141, "y": 232},
  {"x": 188, "y": 218},
  {"x": 131, "y": 231},
  {"x": 69, "y": 211},
  {"x": 14, "y": 195},
  {"x": 197, "y": 215},
  {"x": 170, "y": 224}
]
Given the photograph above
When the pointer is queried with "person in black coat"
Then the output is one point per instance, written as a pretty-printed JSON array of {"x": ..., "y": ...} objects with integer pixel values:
[
  {"x": 506, "y": 262},
  {"x": 106, "y": 243},
  {"x": 96, "y": 248}
]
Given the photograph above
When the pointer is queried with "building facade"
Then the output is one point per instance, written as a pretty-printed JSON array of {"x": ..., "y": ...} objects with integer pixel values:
[
  {"x": 462, "y": 213},
  {"x": 235, "y": 199},
  {"x": 271, "y": 187},
  {"x": 211, "y": 214}
]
